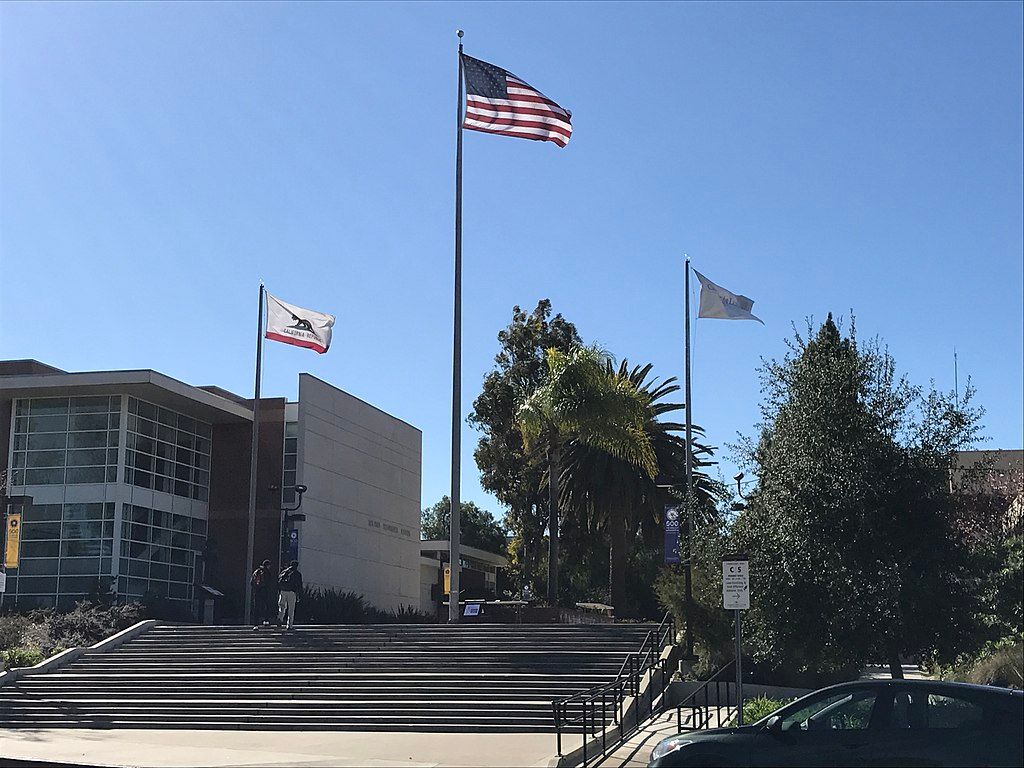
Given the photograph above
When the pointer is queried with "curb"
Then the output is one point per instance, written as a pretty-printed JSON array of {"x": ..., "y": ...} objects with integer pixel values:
[{"x": 69, "y": 655}]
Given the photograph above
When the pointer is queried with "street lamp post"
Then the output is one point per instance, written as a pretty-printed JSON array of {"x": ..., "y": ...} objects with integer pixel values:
[{"x": 287, "y": 516}]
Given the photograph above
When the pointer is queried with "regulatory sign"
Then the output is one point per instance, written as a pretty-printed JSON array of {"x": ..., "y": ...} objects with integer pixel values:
[
  {"x": 3, "y": 582},
  {"x": 735, "y": 583}
]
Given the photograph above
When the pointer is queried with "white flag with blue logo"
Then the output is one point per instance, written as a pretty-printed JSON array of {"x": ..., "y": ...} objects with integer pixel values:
[{"x": 716, "y": 302}]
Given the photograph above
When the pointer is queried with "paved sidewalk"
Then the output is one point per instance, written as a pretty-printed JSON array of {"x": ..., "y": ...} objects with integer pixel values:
[
  {"x": 636, "y": 751},
  {"x": 226, "y": 749}
]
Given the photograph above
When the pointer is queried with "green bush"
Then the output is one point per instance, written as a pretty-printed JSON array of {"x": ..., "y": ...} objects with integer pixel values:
[
  {"x": 21, "y": 656},
  {"x": 758, "y": 707},
  {"x": 50, "y": 630},
  {"x": 12, "y": 630},
  {"x": 329, "y": 606},
  {"x": 1002, "y": 664}
]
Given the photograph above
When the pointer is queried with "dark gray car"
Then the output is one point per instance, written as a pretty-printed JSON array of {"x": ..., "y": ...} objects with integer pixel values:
[{"x": 876, "y": 722}]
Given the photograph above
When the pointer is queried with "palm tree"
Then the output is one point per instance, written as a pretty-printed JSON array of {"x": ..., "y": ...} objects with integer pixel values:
[
  {"x": 602, "y": 492},
  {"x": 582, "y": 403}
]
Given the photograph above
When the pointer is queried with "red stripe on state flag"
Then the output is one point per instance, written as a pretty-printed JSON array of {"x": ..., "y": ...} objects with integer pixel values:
[{"x": 296, "y": 342}]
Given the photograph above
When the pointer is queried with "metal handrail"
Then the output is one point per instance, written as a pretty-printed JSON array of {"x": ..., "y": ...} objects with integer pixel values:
[
  {"x": 704, "y": 710},
  {"x": 626, "y": 682}
]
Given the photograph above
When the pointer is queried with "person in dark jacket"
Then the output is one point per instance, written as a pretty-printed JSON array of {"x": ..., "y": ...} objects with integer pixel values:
[
  {"x": 262, "y": 594},
  {"x": 290, "y": 584}
]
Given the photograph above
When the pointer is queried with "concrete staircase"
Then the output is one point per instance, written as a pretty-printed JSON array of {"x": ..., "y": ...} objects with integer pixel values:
[{"x": 473, "y": 677}]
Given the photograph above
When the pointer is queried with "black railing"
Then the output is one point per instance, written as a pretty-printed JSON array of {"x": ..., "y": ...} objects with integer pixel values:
[
  {"x": 595, "y": 709},
  {"x": 700, "y": 705}
]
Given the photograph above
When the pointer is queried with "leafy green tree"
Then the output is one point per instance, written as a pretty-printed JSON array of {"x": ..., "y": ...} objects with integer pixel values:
[
  {"x": 613, "y": 497},
  {"x": 515, "y": 476},
  {"x": 854, "y": 556},
  {"x": 581, "y": 402},
  {"x": 479, "y": 528}
]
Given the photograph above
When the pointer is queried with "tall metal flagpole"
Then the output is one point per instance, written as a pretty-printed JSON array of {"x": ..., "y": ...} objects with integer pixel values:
[
  {"x": 455, "y": 533},
  {"x": 252, "y": 460},
  {"x": 687, "y": 566}
]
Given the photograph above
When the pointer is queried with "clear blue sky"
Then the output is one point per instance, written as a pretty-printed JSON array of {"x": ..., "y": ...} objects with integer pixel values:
[{"x": 157, "y": 160}]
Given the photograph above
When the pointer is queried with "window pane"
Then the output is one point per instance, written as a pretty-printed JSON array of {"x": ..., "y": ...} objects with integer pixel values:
[
  {"x": 36, "y": 531},
  {"x": 147, "y": 410},
  {"x": 138, "y": 568},
  {"x": 44, "y": 476},
  {"x": 37, "y": 584},
  {"x": 146, "y": 427},
  {"x": 44, "y": 441},
  {"x": 87, "y": 439},
  {"x": 21, "y": 408},
  {"x": 179, "y": 591},
  {"x": 183, "y": 472},
  {"x": 87, "y": 475},
  {"x": 45, "y": 459},
  {"x": 167, "y": 434},
  {"x": 180, "y": 522},
  {"x": 41, "y": 513},
  {"x": 114, "y": 422},
  {"x": 182, "y": 488},
  {"x": 181, "y": 540},
  {"x": 142, "y": 479},
  {"x": 179, "y": 556},
  {"x": 87, "y": 458},
  {"x": 47, "y": 423},
  {"x": 89, "y": 421},
  {"x": 108, "y": 510},
  {"x": 137, "y": 587},
  {"x": 948, "y": 712},
  {"x": 291, "y": 429},
  {"x": 90, "y": 404},
  {"x": 21, "y": 443},
  {"x": 83, "y": 511},
  {"x": 44, "y": 406},
  {"x": 186, "y": 423},
  {"x": 158, "y": 588},
  {"x": 79, "y": 584},
  {"x": 165, "y": 450},
  {"x": 158, "y": 571},
  {"x": 83, "y": 529},
  {"x": 19, "y": 460},
  {"x": 40, "y": 548},
  {"x": 80, "y": 548},
  {"x": 37, "y": 566},
  {"x": 73, "y": 566}
]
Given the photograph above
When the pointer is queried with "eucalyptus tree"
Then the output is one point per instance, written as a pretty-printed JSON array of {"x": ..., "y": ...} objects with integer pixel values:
[{"x": 580, "y": 402}]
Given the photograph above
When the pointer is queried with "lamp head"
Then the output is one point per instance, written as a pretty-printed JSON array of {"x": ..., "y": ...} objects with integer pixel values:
[
  {"x": 738, "y": 476},
  {"x": 300, "y": 489}
]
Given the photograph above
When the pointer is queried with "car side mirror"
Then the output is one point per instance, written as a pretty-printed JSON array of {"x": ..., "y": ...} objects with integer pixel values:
[{"x": 774, "y": 724}]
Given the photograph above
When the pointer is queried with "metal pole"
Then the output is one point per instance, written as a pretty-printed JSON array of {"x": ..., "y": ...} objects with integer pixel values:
[
  {"x": 739, "y": 666},
  {"x": 687, "y": 572},
  {"x": 454, "y": 534},
  {"x": 252, "y": 460}
]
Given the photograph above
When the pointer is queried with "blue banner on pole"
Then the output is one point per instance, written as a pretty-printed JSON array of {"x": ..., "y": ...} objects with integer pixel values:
[
  {"x": 293, "y": 545},
  {"x": 672, "y": 514}
]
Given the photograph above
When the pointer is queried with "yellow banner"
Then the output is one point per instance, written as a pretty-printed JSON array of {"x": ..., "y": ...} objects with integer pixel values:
[
  {"x": 13, "y": 541},
  {"x": 447, "y": 579}
]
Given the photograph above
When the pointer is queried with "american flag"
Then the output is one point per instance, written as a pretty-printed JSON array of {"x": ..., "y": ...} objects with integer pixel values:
[{"x": 499, "y": 102}]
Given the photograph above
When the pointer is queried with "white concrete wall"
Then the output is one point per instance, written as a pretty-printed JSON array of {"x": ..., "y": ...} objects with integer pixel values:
[{"x": 362, "y": 467}]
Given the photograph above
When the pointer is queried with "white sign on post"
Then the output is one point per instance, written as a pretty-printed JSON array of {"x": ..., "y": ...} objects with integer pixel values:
[{"x": 735, "y": 585}]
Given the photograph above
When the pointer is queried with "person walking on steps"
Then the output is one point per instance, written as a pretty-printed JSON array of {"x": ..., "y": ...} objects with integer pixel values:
[
  {"x": 290, "y": 584},
  {"x": 262, "y": 594}
]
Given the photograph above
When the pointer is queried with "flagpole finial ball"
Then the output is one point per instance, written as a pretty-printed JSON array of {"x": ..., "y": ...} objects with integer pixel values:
[{"x": 459, "y": 32}]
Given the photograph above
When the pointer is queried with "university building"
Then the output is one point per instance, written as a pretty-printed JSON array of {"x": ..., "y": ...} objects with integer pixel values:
[{"x": 139, "y": 488}]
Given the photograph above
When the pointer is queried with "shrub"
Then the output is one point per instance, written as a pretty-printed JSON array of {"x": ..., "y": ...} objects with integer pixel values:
[
  {"x": 329, "y": 606},
  {"x": 21, "y": 656},
  {"x": 12, "y": 629},
  {"x": 758, "y": 707},
  {"x": 1002, "y": 665},
  {"x": 86, "y": 623}
]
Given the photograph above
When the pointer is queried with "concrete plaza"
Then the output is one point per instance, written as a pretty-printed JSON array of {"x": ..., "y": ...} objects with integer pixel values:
[{"x": 221, "y": 749}]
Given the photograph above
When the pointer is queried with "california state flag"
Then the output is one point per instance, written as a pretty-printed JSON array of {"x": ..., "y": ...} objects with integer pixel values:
[{"x": 298, "y": 326}]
